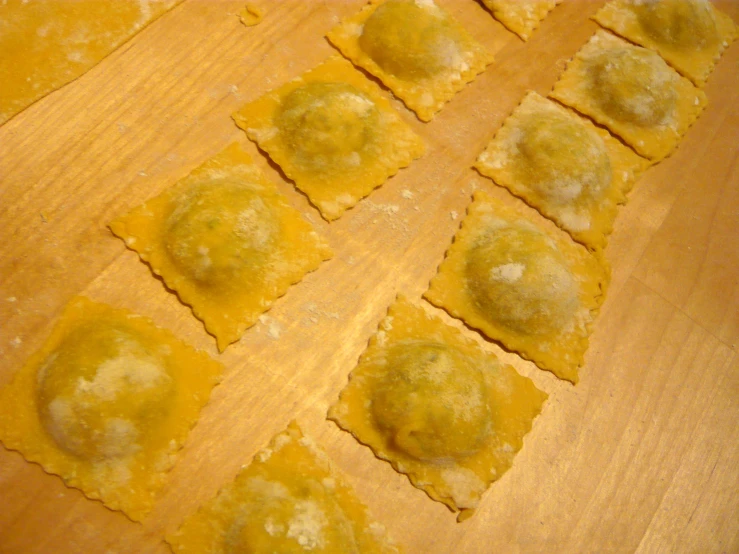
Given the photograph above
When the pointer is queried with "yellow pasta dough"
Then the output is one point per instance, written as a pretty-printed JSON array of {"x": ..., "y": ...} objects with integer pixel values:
[
  {"x": 332, "y": 132},
  {"x": 225, "y": 241},
  {"x": 47, "y": 44},
  {"x": 106, "y": 403},
  {"x": 520, "y": 16},
  {"x": 690, "y": 35},
  {"x": 564, "y": 166},
  {"x": 437, "y": 407},
  {"x": 633, "y": 92},
  {"x": 288, "y": 500},
  {"x": 535, "y": 293},
  {"x": 415, "y": 48}
]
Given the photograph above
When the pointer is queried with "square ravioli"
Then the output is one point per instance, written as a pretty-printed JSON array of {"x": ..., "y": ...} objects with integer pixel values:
[
  {"x": 633, "y": 92},
  {"x": 437, "y": 407},
  {"x": 106, "y": 404},
  {"x": 690, "y": 35},
  {"x": 520, "y": 16},
  {"x": 534, "y": 292},
  {"x": 225, "y": 241},
  {"x": 333, "y": 133},
  {"x": 415, "y": 48},
  {"x": 289, "y": 499},
  {"x": 564, "y": 166}
]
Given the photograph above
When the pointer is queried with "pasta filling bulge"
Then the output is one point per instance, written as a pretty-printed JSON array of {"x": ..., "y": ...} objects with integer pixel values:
[
  {"x": 101, "y": 391},
  {"x": 561, "y": 160},
  {"x": 221, "y": 235},
  {"x": 290, "y": 520},
  {"x": 411, "y": 40},
  {"x": 686, "y": 24},
  {"x": 328, "y": 126},
  {"x": 633, "y": 85},
  {"x": 517, "y": 279},
  {"x": 432, "y": 404}
]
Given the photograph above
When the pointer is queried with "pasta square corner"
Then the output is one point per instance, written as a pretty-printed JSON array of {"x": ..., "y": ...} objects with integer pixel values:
[{"x": 520, "y": 16}]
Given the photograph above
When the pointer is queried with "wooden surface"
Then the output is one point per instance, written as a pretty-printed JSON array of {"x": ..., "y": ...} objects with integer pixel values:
[{"x": 643, "y": 455}]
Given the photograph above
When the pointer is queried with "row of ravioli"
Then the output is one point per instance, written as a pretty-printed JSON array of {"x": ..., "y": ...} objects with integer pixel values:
[
  {"x": 431, "y": 402},
  {"x": 534, "y": 292},
  {"x": 108, "y": 401},
  {"x": 560, "y": 158},
  {"x": 225, "y": 230},
  {"x": 505, "y": 275},
  {"x": 69, "y": 38},
  {"x": 337, "y": 138}
]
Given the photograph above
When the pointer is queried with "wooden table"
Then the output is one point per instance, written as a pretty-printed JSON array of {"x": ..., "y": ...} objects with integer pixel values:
[{"x": 643, "y": 455}]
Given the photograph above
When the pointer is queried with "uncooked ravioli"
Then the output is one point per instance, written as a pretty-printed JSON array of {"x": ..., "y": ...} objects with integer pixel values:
[
  {"x": 333, "y": 133},
  {"x": 415, "y": 48},
  {"x": 564, "y": 166},
  {"x": 225, "y": 241},
  {"x": 288, "y": 500},
  {"x": 437, "y": 407},
  {"x": 534, "y": 292},
  {"x": 690, "y": 35},
  {"x": 633, "y": 92},
  {"x": 106, "y": 403}
]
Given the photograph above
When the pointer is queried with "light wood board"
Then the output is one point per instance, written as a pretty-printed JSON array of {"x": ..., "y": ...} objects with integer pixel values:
[{"x": 643, "y": 455}]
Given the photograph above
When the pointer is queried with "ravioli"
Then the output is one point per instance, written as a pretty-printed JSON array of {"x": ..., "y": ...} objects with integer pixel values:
[
  {"x": 415, "y": 48},
  {"x": 437, "y": 407},
  {"x": 288, "y": 500},
  {"x": 45, "y": 45},
  {"x": 690, "y": 35},
  {"x": 331, "y": 132},
  {"x": 633, "y": 92},
  {"x": 536, "y": 293},
  {"x": 520, "y": 16},
  {"x": 225, "y": 241},
  {"x": 107, "y": 403},
  {"x": 564, "y": 166}
]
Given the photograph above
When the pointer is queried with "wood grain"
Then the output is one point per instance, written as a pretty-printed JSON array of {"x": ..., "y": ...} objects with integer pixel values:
[{"x": 641, "y": 456}]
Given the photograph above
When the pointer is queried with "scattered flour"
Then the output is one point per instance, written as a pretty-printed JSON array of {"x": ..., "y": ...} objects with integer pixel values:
[
  {"x": 307, "y": 525},
  {"x": 273, "y": 326},
  {"x": 509, "y": 273}
]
